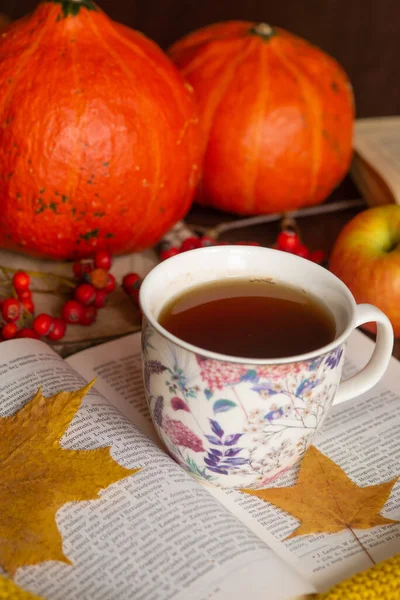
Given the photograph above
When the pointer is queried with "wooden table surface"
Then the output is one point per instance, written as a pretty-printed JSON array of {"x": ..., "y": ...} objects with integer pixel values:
[{"x": 318, "y": 232}]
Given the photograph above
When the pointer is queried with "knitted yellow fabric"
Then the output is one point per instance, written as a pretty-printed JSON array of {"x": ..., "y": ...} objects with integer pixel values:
[
  {"x": 381, "y": 582},
  {"x": 10, "y": 591}
]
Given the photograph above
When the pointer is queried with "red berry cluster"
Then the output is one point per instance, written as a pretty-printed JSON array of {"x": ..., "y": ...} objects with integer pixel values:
[
  {"x": 289, "y": 241},
  {"x": 15, "y": 310},
  {"x": 94, "y": 284},
  {"x": 192, "y": 243}
]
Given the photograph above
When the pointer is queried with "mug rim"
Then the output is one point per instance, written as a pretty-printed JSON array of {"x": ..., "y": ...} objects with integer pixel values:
[{"x": 338, "y": 341}]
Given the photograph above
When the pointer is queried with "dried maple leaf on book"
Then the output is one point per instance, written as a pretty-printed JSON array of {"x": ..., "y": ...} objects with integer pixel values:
[
  {"x": 38, "y": 476},
  {"x": 326, "y": 500},
  {"x": 10, "y": 591}
]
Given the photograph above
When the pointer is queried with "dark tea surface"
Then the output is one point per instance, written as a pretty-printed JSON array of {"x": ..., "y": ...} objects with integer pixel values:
[{"x": 249, "y": 318}]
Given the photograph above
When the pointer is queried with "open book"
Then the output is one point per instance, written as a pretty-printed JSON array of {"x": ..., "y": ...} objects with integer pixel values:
[
  {"x": 161, "y": 534},
  {"x": 376, "y": 162}
]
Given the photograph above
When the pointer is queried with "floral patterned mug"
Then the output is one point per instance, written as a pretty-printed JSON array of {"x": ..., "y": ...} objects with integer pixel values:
[{"x": 239, "y": 422}]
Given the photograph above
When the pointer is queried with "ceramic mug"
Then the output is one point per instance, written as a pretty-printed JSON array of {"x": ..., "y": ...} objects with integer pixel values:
[{"x": 238, "y": 422}]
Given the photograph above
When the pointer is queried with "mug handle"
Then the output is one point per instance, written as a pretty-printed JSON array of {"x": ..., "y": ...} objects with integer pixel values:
[{"x": 379, "y": 361}]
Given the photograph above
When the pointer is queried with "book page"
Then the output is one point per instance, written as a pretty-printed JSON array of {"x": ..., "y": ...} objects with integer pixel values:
[
  {"x": 377, "y": 157},
  {"x": 362, "y": 437},
  {"x": 117, "y": 365},
  {"x": 156, "y": 535}
]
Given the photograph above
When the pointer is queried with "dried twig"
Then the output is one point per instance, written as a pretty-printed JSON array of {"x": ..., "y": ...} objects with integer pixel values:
[{"x": 216, "y": 231}]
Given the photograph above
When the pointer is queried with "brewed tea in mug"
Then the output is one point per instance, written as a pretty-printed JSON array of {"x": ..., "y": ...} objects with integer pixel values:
[{"x": 250, "y": 318}]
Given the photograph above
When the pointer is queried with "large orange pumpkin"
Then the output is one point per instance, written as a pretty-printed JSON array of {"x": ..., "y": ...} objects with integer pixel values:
[
  {"x": 277, "y": 116},
  {"x": 99, "y": 136}
]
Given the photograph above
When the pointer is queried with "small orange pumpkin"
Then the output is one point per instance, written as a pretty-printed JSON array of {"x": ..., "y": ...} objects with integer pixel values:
[{"x": 277, "y": 117}]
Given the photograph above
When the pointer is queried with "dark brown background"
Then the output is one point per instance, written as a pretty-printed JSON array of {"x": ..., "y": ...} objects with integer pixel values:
[{"x": 364, "y": 35}]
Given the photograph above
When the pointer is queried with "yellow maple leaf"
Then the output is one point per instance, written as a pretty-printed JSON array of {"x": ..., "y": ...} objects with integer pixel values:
[
  {"x": 38, "y": 476},
  {"x": 10, "y": 591},
  {"x": 326, "y": 500}
]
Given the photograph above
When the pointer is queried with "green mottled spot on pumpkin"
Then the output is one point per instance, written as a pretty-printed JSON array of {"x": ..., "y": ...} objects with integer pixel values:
[
  {"x": 332, "y": 143},
  {"x": 335, "y": 86},
  {"x": 162, "y": 210},
  {"x": 18, "y": 195},
  {"x": 109, "y": 235},
  {"x": 53, "y": 206},
  {"x": 73, "y": 7},
  {"x": 73, "y": 210},
  {"x": 336, "y": 147},
  {"x": 106, "y": 164},
  {"x": 89, "y": 235},
  {"x": 42, "y": 191},
  {"x": 64, "y": 198},
  {"x": 99, "y": 214},
  {"x": 40, "y": 209},
  {"x": 9, "y": 80}
]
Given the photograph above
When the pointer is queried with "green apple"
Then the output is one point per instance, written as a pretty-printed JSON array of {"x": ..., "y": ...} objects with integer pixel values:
[{"x": 366, "y": 257}]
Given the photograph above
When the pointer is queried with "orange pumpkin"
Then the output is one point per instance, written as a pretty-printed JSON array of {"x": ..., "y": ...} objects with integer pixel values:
[
  {"x": 99, "y": 136},
  {"x": 277, "y": 117}
]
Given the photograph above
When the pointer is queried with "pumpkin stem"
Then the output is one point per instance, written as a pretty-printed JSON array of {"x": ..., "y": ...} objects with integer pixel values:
[
  {"x": 72, "y": 7},
  {"x": 264, "y": 31}
]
